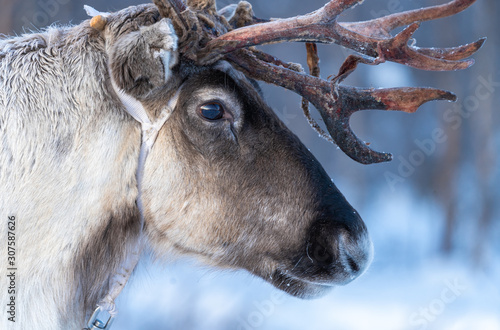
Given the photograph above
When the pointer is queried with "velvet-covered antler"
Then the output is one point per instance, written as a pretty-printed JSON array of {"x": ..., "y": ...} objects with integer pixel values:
[{"x": 371, "y": 39}]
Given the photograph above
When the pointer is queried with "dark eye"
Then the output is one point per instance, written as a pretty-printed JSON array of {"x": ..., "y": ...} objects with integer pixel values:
[{"x": 211, "y": 111}]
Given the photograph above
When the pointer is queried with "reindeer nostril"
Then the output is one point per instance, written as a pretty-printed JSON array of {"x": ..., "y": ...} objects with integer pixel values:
[{"x": 337, "y": 252}]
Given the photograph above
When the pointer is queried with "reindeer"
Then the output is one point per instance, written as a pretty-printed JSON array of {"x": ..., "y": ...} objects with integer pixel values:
[{"x": 146, "y": 130}]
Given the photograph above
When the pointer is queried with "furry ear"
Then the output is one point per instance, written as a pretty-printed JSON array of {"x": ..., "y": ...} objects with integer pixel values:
[{"x": 142, "y": 60}]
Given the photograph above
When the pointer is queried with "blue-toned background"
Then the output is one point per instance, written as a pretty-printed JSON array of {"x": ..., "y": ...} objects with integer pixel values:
[{"x": 432, "y": 213}]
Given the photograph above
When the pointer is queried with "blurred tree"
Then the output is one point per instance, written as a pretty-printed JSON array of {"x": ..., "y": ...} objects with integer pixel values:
[{"x": 6, "y": 16}]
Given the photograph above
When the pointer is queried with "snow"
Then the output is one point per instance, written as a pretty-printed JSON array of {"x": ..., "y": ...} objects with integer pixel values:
[{"x": 409, "y": 286}]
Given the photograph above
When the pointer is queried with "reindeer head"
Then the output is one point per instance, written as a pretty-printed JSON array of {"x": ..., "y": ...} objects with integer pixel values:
[{"x": 226, "y": 181}]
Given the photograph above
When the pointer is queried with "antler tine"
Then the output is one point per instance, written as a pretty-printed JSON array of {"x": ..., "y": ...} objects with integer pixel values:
[
  {"x": 336, "y": 103},
  {"x": 322, "y": 26},
  {"x": 382, "y": 26}
]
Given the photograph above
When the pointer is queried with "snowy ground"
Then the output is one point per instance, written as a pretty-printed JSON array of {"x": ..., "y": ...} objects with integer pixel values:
[{"x": 406, "y": 288}]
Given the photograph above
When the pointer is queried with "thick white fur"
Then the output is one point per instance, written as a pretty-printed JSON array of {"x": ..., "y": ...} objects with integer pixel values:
[{"x": 68, "y": 159}]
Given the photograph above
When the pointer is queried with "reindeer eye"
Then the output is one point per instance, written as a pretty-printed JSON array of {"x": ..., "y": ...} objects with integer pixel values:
[{"x": 211, "y": 111}]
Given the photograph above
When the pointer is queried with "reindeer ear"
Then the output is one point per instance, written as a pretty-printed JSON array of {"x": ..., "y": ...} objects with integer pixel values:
[{"x": 142, "y": 60}]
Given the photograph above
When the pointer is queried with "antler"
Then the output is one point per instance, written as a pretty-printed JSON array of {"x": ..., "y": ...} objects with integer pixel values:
[
  {"x": 371, "y": 39},
  {"x": 337, "y": 103}
]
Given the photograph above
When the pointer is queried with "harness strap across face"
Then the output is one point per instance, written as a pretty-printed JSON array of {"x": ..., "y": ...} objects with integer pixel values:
[{"x": 150, "y": 130}]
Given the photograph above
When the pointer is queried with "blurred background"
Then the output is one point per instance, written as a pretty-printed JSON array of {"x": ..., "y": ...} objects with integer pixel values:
[{"x": 432, "y": 212}]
